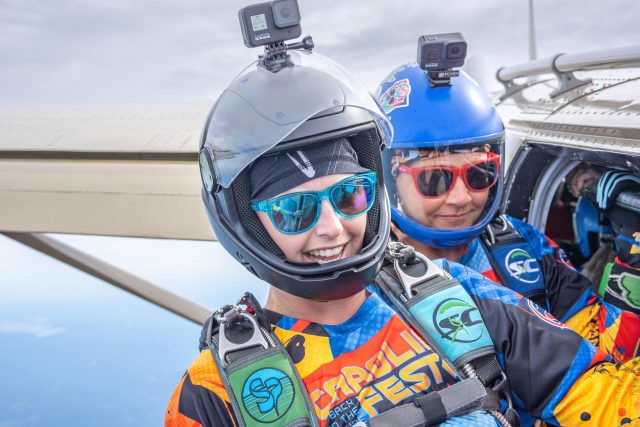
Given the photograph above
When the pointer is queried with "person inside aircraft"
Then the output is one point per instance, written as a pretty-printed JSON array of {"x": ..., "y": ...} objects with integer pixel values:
[
  {"x": 590, "y": 246},
  {"x": 606, "y": 237},
  {"x": 444, "y": 178},
  {"x": 293, "y": 186}
]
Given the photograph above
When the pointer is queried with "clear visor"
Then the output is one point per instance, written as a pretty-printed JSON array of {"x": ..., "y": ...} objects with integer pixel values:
[
  {"x": 260, "y": 108},
  {"x": 445, "y": 188}
]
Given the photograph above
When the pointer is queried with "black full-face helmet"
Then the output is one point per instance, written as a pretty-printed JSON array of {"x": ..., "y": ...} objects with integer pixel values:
[{"x": 311, "y": 101}]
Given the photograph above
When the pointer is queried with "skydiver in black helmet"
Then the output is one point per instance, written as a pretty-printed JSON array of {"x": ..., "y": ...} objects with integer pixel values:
[{"x": 292, "y": 183}]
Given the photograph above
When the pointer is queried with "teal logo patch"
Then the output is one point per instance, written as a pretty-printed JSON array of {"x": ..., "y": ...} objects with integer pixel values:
[
  {"x": 522, "y": 266},
  {"x": 456, "y": 320},
  {"x": 267, "y": 395}
]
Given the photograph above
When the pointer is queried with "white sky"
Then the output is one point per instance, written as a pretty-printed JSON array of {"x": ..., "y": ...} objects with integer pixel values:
[{"x": 73, "y": 51}]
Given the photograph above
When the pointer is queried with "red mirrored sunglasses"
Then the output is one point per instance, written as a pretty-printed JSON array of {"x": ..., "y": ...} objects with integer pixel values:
[{"x": 437, "y": 181}]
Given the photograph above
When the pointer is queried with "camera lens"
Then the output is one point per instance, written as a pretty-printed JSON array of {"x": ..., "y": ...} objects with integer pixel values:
[
  {"x": 456, "y": 50},
  {"x": 285, "y": 13}
]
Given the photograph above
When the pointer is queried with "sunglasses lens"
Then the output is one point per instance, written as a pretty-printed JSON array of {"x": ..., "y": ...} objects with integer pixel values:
[
  {"x": 482, "y": 175},
  {"x": 434, "y": 182},
  {"x": 295, "y": 213},
  {"x": 354, "y": 197}
]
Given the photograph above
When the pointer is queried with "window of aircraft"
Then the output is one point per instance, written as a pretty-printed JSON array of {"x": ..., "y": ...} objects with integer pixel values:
[
  {"x": 555, "y": 188},
  {"x": 77, "y": 351}
]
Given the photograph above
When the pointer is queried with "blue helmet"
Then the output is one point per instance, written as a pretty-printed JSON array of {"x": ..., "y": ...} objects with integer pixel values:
[
  {"x": 441, "y": 127},
  {"x": 588, "y": 226}
]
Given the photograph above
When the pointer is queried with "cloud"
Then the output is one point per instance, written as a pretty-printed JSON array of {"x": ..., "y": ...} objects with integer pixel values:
[
  {"x": 40, "y": 328},
  {"x": 118, "y": 51}
]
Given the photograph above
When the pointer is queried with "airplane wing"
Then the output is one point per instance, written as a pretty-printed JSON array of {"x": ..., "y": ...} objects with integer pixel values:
[{"x": 104, "y": 170}]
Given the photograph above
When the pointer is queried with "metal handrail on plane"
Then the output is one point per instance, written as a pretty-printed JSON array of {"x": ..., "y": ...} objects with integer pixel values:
[{"x": 563, "y": 66}]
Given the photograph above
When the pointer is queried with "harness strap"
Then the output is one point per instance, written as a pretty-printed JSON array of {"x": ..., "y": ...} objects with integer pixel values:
[
  {"x": 510, "y": 256},
  {"x": 263, "y": 385},
  {"x": 425, "y": 292},
  {"x": 434, "y": 408},
  {"x": 421, "y": 292}
]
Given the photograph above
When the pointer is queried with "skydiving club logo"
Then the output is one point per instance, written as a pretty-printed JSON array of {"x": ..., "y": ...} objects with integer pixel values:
[
  {"x": 522, "y": 266},
  {"x": 267, "y": 395},
  {"x": 455, "y": 320}
]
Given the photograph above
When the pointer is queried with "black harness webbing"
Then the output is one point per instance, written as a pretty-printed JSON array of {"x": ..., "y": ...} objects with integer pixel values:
[
  {"x": 434, "y": 408},
  {"x": 499, "y": 239}
]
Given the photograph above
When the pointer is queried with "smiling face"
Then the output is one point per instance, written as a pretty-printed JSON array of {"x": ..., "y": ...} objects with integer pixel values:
[
  {"x": 332, "y": 238},
  {"x": 460, "y": 208}
]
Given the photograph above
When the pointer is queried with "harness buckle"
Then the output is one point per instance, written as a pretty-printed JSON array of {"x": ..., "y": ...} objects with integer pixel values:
[
  {"x": 501, "y": 225},
  {"x": 502, "y": 388},
  {"x": 233, "y": 316},
  {"x": 408, "y": 281}
]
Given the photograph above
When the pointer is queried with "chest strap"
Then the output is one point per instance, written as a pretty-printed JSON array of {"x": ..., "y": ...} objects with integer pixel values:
[
  {"x": 434, "y": 408},
  {"x": 262, "y": 382},
  {"x": 444, "y": 314},
  {"x": 511, "y": 257}
]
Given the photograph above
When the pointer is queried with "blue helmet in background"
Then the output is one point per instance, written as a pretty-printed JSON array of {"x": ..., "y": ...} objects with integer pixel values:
[
  {"x": 588, "y": 226},
  {"x": 435, "y": 122}
]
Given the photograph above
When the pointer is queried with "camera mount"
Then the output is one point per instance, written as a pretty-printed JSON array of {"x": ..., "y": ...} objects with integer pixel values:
[
  {"x": 439, "y": 78},
  {"x": 275, "y": 56}
]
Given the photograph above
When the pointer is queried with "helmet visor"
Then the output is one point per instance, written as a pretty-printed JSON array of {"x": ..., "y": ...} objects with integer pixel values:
[
  {"x": 261, "y": 108},
  {"x": 445, "y": 188}
]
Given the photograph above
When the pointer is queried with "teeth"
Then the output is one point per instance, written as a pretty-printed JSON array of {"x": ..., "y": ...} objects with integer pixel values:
[{"x": 327, "y": 253}]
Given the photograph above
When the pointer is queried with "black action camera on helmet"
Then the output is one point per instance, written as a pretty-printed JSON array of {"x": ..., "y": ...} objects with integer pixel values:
[
  {"x": 270, "y": 22},
  {"x": 438, "y": 54},
  {"x": 441, "y": 51}
]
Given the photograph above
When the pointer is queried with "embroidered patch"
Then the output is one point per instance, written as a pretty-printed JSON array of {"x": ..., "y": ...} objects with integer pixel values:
[
  {"x": 631, "y": 285},
  {"x": 267, "y": 395},
  {"x": 544, "y": 315},
  {"x": 455, "y": 319},
  {"x": 396, "y": 96},
  {"x": 522, "y": 266}
]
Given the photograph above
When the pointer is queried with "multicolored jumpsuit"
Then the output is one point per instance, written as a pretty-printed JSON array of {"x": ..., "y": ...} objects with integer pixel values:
[
  {"x": 375, "y": 361},
  {"x": 547, "y": 277}
]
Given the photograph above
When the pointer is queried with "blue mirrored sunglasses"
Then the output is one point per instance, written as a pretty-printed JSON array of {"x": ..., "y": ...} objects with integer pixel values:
[{"x": 298, "y": 212}]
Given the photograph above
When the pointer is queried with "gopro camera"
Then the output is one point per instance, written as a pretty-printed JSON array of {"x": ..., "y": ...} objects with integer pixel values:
[
  {"x": 270, "y": 22},
  {"x": 441, "y": 51}
]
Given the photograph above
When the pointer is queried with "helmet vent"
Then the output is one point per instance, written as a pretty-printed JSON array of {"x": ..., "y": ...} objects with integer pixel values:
[{"x": 241, "y": 189}]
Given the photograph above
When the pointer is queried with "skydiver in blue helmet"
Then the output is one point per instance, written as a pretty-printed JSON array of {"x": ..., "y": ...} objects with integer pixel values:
[
  {"x": 292, "y": 170},
  {"x": 444, "y": 176}
]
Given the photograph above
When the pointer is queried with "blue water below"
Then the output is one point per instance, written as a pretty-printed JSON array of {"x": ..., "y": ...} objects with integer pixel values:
[{"x": 75, "y": 351}]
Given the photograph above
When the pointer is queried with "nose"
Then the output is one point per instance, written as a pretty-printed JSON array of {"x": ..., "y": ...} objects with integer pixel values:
[
  {"x": 459, "y": 194},
  {"x": 329, "y": 223}
]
